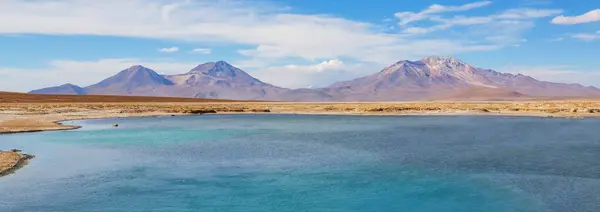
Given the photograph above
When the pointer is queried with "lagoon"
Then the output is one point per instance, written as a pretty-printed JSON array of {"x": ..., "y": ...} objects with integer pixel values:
[{"x": 309, "y": 163}]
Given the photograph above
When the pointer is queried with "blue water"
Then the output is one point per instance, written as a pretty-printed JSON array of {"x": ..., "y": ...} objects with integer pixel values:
[{"x": 309, "y": 163}]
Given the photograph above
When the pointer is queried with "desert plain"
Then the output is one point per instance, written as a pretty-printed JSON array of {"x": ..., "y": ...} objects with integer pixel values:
[{"x": 20, "y": 113}]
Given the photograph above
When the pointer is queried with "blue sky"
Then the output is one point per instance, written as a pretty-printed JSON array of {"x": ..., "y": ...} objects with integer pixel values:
[{"x": 293, "y": 43}]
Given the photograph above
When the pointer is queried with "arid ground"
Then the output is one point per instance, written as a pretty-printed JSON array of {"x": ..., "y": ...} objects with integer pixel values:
[{"x": 30, "y": 113}]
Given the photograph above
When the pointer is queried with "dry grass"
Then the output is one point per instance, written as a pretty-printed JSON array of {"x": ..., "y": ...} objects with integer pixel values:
[
  {"x": 29, "y": 116},
  {"x": 38, "y": 116},
  {"x": 575, "y": 107}
]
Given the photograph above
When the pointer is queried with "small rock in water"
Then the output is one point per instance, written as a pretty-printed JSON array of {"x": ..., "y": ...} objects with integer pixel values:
[{"x": 115, "y": 125}]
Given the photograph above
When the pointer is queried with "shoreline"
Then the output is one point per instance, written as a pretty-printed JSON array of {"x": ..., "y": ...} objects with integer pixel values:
[
  {"x": 58, "y": 126},
  {"x": 11, "y": 161},
  {"x": 27, "y": 118}
]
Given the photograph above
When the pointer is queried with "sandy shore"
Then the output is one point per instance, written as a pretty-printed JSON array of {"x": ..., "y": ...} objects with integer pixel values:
[{"x": 33, "y": 117}]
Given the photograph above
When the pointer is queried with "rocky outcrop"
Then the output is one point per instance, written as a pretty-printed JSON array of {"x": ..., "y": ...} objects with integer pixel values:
[{"x": 12, "y": 160}]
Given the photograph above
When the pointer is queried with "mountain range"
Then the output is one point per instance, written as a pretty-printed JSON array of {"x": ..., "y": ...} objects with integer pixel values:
[{"x": 429, "y": 78}]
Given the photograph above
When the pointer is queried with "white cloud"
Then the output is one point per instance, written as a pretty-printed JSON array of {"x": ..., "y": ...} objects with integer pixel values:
[
  {"x": 505, "y": 28},
  {"x": 250, "y": 63},
  {"x": 169, "y": 50},
  {"x": 408, "y": 17},
  {"x": 272, "y": 31},
  {"x": 269, "y": 31},
  {"x": 436, "y": 8},
  {"x": 202, "y": 51},
  {"x": 512, "y": 21},
  {"x": 586, "y": 36},
  {"x": 313, "y": 76},
  {"x": 418, "y": 49},
  {"x": 562, "y": 74},
  {"x": 590, "y": 16},
  {"x": 424, "y": 30},
  {"x": 536, "y": 2},
  {"x": 556, "y": 39},
  {"x": 527, "y": 13},
  {"x": 81, "y": 73},
  {"x": 465, "y": 21},
  {"x": 447, "y": 23}
]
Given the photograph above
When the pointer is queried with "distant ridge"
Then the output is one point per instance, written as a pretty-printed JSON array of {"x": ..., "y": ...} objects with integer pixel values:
[
  {"x": 13, "y": 97},
  {"x": 439, "y": 76},
  {"x": 62, "y": 89},
  {"x": 429, "y": 78}
]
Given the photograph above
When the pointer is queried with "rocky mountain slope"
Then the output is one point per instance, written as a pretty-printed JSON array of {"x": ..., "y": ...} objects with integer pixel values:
[
  {"x": 427, "y": 78},
  {"x": 443, "y": 76},
  {"x": 136, "y": 80},
  {"x": 224, "y": 81},
  {"x": 209, "y": 80}
]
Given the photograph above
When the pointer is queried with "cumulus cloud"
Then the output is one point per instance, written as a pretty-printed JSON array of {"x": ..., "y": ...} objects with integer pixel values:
[
  {"x": 591, "y": 16},
  {"x": 169, "y": 49},
  {"x": 313, "y": 76},
  {"x": 202, "y": 51},
  {"x": 81, "y": 73}
]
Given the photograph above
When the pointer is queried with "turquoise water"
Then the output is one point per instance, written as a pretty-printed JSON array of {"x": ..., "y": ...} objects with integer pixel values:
[{"x": 309, "y": 163}]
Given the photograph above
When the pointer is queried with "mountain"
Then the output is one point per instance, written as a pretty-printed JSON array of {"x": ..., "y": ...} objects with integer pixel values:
[
  {"x": 427, "y": 79},
  {"x": 136, "y": 80},
  {"x": 219, "y": 71},
  {"x": 62, "y": 89},
  {"x": 443, "y": 76},
  {"x": 224, "y": 81},
  {"x": 209, "y": 80}
]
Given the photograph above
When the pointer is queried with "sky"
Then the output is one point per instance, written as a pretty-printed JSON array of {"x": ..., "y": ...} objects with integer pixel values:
[{"x": 293, "y": 43}]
